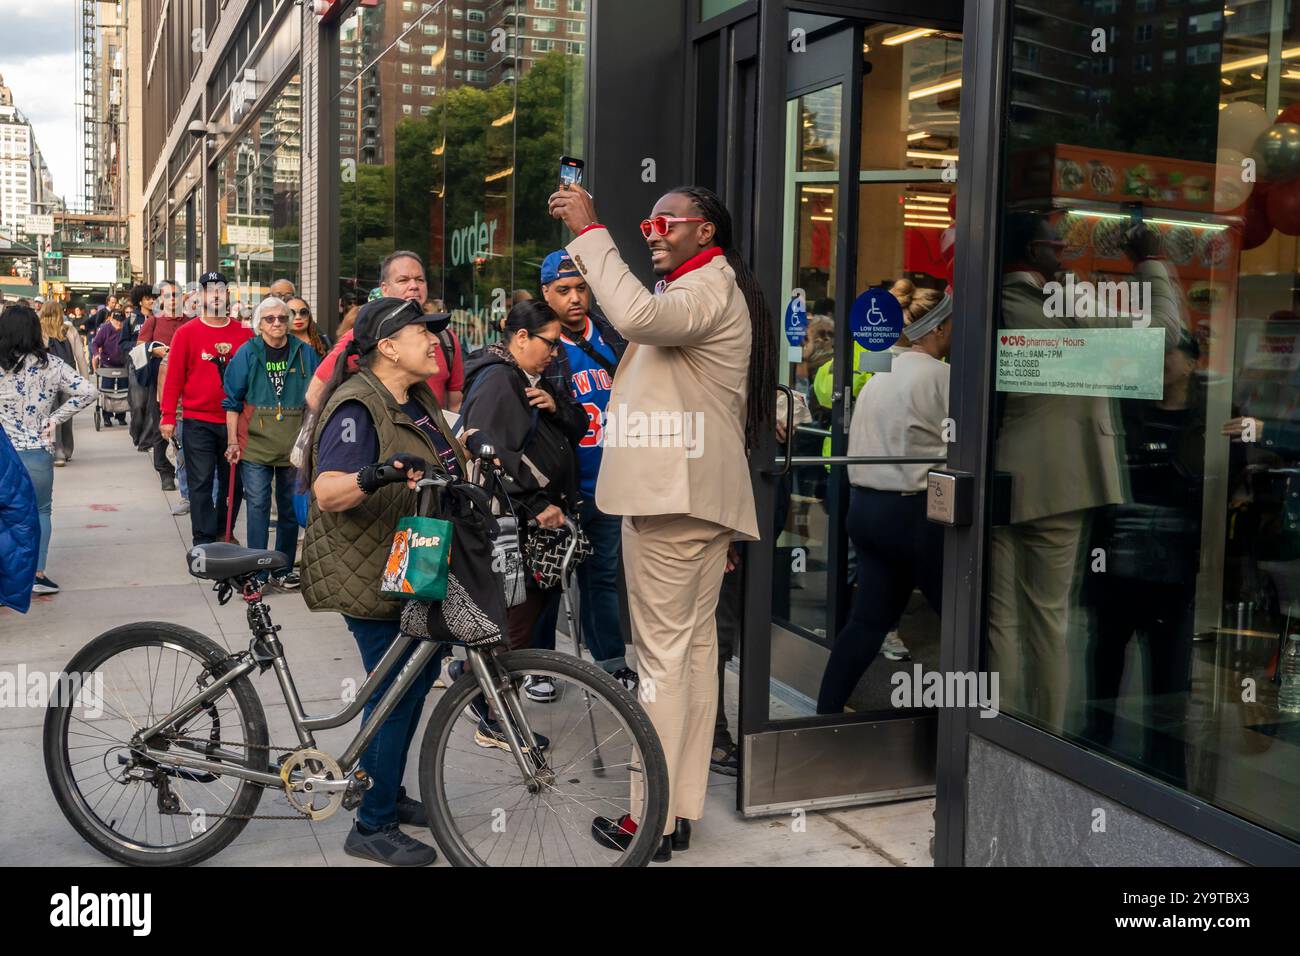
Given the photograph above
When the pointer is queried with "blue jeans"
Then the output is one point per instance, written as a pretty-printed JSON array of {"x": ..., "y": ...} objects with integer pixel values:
[
  {"x": 385, "y": 758},
  {"x": 40, "y": 465},
  {"x": 182, "y": 481},
  {"x": 257, "y": 492},
  {"x": 602, "y": 629}
]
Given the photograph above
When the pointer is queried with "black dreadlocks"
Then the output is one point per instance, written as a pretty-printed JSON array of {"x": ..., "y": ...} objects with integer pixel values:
[{"x": 761, "y": 407}]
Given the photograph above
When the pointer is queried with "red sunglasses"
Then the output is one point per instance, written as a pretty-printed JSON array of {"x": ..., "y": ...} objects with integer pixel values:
[{"x": 660, "y": 224}]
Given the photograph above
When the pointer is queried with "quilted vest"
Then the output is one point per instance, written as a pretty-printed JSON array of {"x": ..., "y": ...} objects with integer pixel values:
[{"x": 344, "y": 552}]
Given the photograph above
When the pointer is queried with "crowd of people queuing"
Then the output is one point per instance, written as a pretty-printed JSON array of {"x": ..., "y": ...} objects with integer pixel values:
[{"x": 262, "y": 411}]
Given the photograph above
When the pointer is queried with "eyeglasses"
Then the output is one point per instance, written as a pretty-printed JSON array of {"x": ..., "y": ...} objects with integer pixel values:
[
  {"x": 275, "y": 319},
  {"x": 553, "y": 343},
  {"x": 660, "y": 225},
  {"x": 305, "y": 313}
]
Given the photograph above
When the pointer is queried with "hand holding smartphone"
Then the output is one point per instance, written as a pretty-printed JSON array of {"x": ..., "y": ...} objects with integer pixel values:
[{"x": 571, "y": 170}]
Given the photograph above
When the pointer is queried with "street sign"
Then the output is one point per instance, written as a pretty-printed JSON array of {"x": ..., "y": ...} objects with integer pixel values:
[{"x": 39, "y": 225}]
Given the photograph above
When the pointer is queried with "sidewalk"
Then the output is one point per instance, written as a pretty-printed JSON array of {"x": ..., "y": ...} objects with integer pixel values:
[{"x": 118, "y": 555}]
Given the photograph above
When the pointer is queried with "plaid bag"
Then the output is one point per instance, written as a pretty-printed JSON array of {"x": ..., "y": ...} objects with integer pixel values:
[{"x": 545, "y": 551}]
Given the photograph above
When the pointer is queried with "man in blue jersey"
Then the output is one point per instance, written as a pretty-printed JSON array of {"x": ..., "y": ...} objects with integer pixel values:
[{"x": 585, "y": 367}]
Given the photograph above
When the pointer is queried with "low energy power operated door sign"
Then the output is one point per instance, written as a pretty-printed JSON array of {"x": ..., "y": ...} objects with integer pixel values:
[
  {"x": 949, "y": 497},
  {"x": 1106, "y": 363},
  {"x": 796, "y": 324},
  {"x": 876, "y": 322}
]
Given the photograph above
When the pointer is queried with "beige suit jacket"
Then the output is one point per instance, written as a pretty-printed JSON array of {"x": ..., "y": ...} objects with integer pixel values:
[{"x": 674, "y": 435}]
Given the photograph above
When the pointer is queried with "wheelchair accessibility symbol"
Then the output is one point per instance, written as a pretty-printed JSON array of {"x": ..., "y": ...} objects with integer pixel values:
[{"x": 876, "y": 320}]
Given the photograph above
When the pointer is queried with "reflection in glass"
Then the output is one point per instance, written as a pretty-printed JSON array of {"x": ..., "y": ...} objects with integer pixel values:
[
  {"x": 450, "y": 145},
  {"x": 1143, "y": 581},
  {"x": 259, "y": 186}
]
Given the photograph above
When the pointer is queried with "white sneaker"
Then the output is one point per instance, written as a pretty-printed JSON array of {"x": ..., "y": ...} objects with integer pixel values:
[
  {"x": 894, "y": 649},
  {"x": 540, "y": 689}
]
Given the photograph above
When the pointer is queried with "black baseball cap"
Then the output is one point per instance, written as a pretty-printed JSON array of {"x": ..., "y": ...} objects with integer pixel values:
[
  {"x": 384, "y": 317},
  {"x": 210, "y": 277}
]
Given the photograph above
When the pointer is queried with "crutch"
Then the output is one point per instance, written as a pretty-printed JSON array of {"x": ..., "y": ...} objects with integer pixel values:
[{"x": 575, "y": 630}]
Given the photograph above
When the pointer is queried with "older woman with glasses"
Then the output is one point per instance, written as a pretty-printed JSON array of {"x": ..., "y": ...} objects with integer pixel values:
[
  {"x": 266, "y": 385},
  {"x": 302, "y": 326}
]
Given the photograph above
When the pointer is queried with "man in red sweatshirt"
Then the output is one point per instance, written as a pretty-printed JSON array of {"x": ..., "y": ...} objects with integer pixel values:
[{"x": 197, "y": 363}]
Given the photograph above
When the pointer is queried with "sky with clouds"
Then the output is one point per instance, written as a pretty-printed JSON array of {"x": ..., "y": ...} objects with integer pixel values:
[{"x": 39, "y": 62}]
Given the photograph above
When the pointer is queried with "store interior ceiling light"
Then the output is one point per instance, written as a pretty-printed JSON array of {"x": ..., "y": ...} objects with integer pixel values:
[
  {"x": 907, "y": 36},
  {"x": 1261, "y": 59},
  {"x": 499, "y": 175},
  {"x": 503, "y": 120},
  {"x": 929, "y": 154},
  {"x": 919, "y": 134},
  {"x": 1094, "y": 214},
  {"x": 932, "y": 89},
  {"x": 914, "y": 224},
  {"x": 928, "y": 197}
]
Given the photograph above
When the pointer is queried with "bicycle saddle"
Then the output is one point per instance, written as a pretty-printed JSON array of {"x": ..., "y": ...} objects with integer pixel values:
[{"x": 219, "y": 561}]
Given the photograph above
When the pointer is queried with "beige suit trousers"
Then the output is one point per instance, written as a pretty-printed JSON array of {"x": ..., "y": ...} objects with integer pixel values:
[
  {"x": 1034, "y": 567},
  {"x": 674, "y": 566}
]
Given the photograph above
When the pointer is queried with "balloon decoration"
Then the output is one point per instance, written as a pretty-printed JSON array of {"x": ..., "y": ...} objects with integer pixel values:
[
  {"x": 1290, "y": 115},
  {"x": 1278, "y": 149},
  {"x": 1256, "y": 227},
  {"x": 1283, "y": 207},
  {"x": 1230, "y": 187},
  {"x": 1241, "y": 124}
]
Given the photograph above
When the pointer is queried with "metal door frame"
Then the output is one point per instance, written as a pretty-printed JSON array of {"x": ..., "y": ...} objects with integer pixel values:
[{"x": 829, "y": 742}]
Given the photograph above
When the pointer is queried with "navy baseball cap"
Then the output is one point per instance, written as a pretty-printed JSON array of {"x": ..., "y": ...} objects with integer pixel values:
[
  {"x": 551, "y": 267},
  {"x": 210, "y": 277},
  {"x": 384, "y": 317}
]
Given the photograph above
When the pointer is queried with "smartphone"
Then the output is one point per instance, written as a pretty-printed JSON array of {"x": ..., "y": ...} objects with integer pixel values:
[{"x": 571, "y": 170}]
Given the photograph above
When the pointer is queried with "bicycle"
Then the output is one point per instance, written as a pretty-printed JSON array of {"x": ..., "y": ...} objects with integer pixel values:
[{"x": 173, "y": 781}]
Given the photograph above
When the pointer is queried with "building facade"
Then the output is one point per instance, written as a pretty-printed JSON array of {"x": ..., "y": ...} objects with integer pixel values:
[{"x": 1126, "y": 542}]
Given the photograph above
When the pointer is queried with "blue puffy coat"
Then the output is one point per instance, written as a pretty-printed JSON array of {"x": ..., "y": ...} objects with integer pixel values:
[{"x": 20, "y": 529}]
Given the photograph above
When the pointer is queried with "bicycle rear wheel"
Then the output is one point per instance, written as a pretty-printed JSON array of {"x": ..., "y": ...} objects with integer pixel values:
[
  {"x": 601, "y": 745},
  {"x": 128, "y": 807}
]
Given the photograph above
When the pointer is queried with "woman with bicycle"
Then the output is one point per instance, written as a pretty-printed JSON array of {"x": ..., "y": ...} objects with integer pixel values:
[
  {"x": 379, "y": 431},
  {"x": 534, "y": 429}
]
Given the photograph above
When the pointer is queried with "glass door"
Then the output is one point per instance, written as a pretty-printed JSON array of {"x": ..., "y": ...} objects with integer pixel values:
[{"x": 870, "y": 116}]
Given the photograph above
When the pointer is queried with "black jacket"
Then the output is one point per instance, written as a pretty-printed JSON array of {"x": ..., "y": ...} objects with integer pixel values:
[
  {"x": 558, "y": 372},
  {"x": 535, "y": 448}
]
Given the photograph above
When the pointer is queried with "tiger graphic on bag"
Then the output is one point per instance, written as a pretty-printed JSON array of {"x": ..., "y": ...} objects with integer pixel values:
[{"x": 398, "y": 560}]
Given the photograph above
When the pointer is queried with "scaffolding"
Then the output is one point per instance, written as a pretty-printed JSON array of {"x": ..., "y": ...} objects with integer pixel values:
[{"x": 88, "y": 121}]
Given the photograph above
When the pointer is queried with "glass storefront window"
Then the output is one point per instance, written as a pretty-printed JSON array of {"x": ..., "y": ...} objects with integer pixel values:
[
  {"x": 259, "y": 198},
  {"x": 179, "y": 246},
  {"x": 1146, "y": 575},
  {"x": 915, "y": 82},
  {"x": 456, "y": 166}
]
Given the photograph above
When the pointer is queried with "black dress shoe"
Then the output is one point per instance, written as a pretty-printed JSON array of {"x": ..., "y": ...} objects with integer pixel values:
[
  {"x": 682, "y": 834},
  {"x": 613, "y": 834},
  {"x": 665, "y": 851}
]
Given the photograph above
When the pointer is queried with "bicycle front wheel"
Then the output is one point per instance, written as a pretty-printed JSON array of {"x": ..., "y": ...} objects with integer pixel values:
[{"x": 599, "y": 756}]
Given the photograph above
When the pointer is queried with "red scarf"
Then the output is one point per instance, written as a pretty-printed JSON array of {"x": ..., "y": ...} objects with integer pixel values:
[{"x": 693, "y": 263}]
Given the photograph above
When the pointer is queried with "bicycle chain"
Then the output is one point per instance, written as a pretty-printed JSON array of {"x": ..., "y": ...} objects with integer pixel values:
[{"x": 246, "y": 816}]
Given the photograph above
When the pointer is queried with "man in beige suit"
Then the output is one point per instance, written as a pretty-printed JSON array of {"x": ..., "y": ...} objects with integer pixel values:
[
  {"x": 1064, "y": 456},
  {"x": 695, "y": 384}
]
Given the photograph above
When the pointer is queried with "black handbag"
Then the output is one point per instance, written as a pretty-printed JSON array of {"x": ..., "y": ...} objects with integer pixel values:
[{"x": 545, "y": 550}]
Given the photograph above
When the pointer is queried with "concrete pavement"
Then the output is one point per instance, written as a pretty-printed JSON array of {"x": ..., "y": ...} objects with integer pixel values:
[{"x": 118, "y": 555}]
